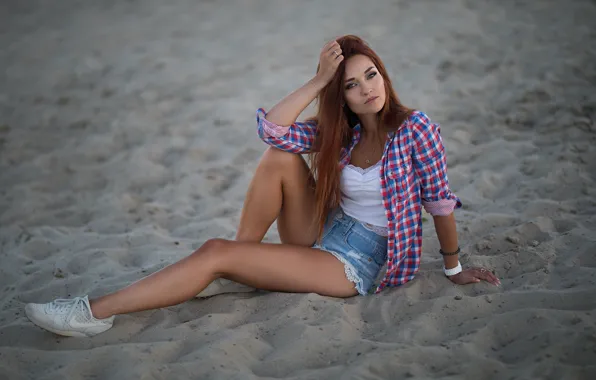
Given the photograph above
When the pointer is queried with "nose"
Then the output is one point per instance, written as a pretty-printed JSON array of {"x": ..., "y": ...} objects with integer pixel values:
[{"x": 366, "y": 91}]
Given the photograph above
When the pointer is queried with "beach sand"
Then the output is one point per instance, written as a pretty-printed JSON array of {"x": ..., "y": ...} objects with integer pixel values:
[{"x": 128, "y": 138}]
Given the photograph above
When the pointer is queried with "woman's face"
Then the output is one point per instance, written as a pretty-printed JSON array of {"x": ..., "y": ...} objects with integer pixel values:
[{"x": 364, "y": 87}]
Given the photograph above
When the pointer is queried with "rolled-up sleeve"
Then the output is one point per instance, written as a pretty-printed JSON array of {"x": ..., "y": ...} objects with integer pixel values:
[
  {"x": 430, "y": 164},
  {"x": 296, "y": 138}
]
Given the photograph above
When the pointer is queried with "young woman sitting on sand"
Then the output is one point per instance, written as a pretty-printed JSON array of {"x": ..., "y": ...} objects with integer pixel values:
[{"x": 376, "y": 164}]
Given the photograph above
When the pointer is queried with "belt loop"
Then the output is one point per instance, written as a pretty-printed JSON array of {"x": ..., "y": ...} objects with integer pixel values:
[{"x": 349, "y": 222}]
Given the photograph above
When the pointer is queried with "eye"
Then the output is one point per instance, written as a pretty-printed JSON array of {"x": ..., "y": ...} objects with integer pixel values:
[
  {"x": 350, "y": 85},
  {"x": 372, "y": 74}
]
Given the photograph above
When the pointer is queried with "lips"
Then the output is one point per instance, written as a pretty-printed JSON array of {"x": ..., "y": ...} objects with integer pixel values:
[{"x": 372, "y": 98}]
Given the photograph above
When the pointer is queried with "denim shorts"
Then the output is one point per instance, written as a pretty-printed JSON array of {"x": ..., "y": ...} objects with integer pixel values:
[{"x": 362, "y": 251}]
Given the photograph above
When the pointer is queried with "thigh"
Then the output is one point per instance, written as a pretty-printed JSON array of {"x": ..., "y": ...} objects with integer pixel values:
[
  {"x": 282, "y": 267},
  {"x": 296, "y": 222}
]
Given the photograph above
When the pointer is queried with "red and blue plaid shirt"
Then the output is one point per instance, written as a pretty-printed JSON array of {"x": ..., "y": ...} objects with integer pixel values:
[{"x": 413, "y": 175}]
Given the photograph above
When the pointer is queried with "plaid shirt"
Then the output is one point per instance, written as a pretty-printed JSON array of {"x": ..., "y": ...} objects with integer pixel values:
[{"x": 413, "y": 175}]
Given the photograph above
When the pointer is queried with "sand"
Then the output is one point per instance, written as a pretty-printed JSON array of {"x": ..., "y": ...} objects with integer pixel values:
[{"x": 127, "y": 139}]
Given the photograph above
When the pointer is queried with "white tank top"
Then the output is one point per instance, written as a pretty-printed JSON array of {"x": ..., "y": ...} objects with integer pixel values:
[{"x": 361, "y": 196}]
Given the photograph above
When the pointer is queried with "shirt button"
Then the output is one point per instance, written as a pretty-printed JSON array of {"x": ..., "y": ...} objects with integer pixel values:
[{"x": 369, "y": 259}]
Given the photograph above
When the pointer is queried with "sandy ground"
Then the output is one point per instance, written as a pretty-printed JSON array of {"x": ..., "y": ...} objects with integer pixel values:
[{"x": 127, "y": 139}]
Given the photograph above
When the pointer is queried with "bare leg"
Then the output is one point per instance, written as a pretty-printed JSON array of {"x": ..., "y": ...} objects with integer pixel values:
[
  {"x": 283, "y": 189},
  {"x": 277, "y": 267}
]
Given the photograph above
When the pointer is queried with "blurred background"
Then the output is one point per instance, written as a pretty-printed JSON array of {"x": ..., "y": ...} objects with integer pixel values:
[{"x": 128, "y": 138}]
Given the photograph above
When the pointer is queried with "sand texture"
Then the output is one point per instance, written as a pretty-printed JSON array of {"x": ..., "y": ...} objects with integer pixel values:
[{"x": 128, "y": 138}]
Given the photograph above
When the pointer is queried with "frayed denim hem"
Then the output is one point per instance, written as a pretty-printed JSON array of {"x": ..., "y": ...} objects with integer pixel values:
[{"x": 351, "y": 273}]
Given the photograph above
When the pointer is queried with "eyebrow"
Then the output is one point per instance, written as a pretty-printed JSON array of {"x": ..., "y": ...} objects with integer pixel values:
[{"x": 366, "y": 71}]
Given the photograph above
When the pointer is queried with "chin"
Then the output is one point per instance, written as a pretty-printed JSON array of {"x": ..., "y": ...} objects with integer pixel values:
[
  {"x": 374, "y": 110},
  {"x": 370, "y": 109},
  {"x": 379, "y": 108}
]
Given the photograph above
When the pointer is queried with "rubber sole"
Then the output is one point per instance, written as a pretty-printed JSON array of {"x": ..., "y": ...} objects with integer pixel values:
[{"x": 68, "y": 333}]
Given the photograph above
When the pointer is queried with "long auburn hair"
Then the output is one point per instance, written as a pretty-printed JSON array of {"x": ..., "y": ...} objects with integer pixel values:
[{"x": 335, "y": 127}]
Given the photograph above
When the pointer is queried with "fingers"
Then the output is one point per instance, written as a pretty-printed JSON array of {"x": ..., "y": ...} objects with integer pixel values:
[
  {"x": 334, "y": 53},
  {"x": 486, "y": 275},
  {"x": 333, "y": 44},
  {"x": 337, "y": 59},
  {"x": 331, "y": 57},
  {"x": 332, "y": 49}
]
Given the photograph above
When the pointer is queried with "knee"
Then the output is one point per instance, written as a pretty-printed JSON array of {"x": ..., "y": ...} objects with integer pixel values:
[
  {"x": 214, "y": 245},
  {"x": 275, "y": 158},
  {"x": 210, "y": 250},
  {"x": 210, "y": 246},
  {"x": 214, "y": 254}
]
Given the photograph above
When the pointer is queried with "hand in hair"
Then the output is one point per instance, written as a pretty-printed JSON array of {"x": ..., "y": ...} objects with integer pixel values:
[{"x": 330, "y": 58}]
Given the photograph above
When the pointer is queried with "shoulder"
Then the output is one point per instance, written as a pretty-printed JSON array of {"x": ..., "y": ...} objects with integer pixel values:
[
  {"x": 420, "y": 124},
  {"x": 418, "y": 128},
  {"x": 424, "y": 136}
]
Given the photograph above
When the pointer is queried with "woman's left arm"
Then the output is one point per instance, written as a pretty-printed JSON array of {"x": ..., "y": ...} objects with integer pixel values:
[
  {"x": 430, "y": 164},
  {"x": 447, "y": 233}
]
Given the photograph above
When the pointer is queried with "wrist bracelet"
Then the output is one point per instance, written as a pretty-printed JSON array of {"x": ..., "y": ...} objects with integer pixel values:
[
  {"x": 453, "y": 271},
  {"x": 449, "y": 253}
]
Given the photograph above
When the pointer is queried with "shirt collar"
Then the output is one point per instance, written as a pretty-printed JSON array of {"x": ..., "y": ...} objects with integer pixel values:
[{"x": 358, "y": 131}]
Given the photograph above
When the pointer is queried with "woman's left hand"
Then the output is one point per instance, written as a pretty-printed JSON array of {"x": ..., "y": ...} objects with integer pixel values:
[{"x": 474, "y": 275}]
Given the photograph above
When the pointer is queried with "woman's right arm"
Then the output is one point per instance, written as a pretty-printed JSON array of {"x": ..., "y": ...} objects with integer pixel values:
[
  {"x": 279, "y": 128},
  {"x": 287, "y": 110}
]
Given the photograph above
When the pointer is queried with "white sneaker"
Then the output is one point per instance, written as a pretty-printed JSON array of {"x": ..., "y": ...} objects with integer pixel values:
[
  {"x": 68, "y": 317},
  {"x": 221, "y": 286}
]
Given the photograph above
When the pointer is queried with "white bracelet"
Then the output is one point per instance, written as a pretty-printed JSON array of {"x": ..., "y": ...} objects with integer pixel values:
[{"x": 453, "y": 271}]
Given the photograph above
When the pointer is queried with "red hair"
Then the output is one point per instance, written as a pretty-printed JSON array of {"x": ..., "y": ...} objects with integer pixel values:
[{"x": 335, "y": 123}]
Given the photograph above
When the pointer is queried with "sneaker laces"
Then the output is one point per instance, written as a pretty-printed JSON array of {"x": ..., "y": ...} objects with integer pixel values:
[{"x": 68, "y": 305}]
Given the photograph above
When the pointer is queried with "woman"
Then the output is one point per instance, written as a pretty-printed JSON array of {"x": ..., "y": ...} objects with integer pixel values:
[{"x": 337, "y": 231}]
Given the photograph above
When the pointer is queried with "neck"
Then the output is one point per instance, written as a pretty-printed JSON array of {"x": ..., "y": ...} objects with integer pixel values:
[{"x": 370, "y": 126}]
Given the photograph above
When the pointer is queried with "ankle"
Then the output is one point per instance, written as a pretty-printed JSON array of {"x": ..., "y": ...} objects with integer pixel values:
[{"x": 98, "y": 311}]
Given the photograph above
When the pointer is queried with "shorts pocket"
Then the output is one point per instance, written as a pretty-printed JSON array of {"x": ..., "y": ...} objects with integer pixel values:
[{"x": 371, "y": 250}]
